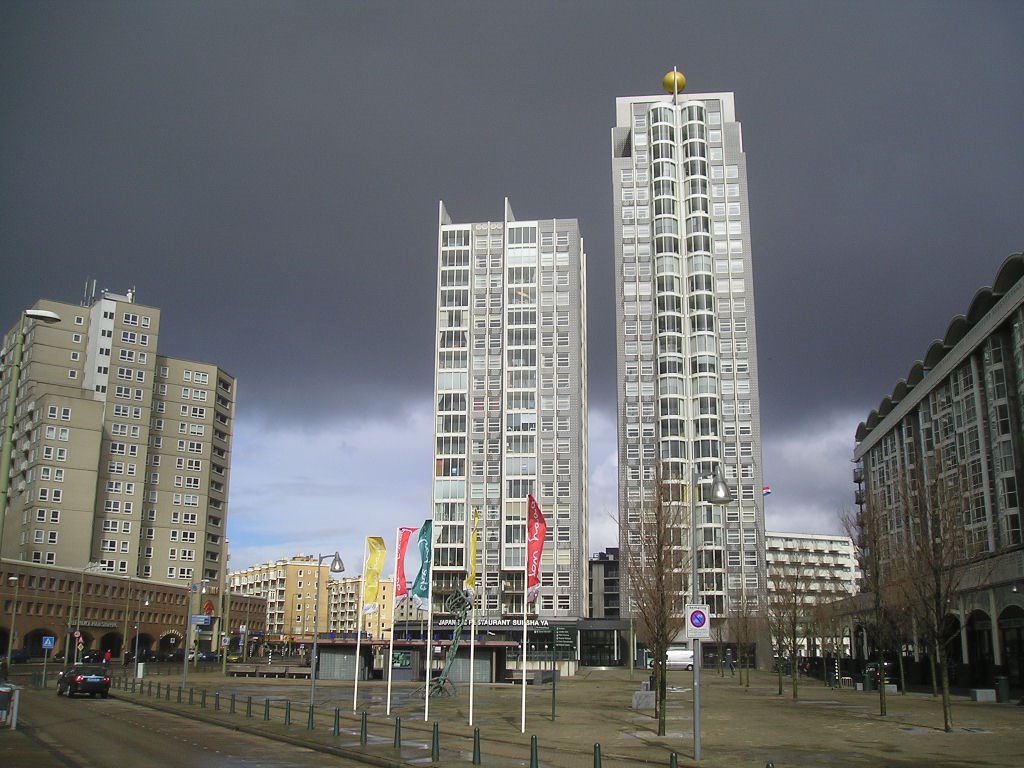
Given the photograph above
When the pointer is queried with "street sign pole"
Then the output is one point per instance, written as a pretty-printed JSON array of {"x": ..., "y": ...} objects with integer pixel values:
[{"x": 698, "y": 627}]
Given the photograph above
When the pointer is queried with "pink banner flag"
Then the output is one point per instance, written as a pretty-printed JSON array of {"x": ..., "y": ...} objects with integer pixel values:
[
  {"x": 536, "y": 530},
  {"x": 401, "y": 585}
]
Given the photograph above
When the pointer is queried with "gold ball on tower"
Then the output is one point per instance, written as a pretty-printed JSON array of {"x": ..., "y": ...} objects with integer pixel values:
[{"x": 674, "y": 82}]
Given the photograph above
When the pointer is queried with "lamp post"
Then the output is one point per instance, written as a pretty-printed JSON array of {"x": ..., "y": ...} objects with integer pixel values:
[
  {"x": 45, "y": 316},
  {"x": 138, "y": 628},
  {"x": 12, "y": 581},
  {"x": 336, "y": 567},
  {"x": 225, "y": 611},
  {"x": 720, "y": 494},
  {"x": 199, "y": 587},
  {"x": 91, "y": 566}
]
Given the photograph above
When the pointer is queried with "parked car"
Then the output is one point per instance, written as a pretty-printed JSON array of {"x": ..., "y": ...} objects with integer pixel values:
[
  {"x": 92, "y": 657},
  {"x": 234, "y": 657},
  {"x": 19, "y": 656},
  {"x": 885, "y": 672},
  {"x": 84, "y": 678}
]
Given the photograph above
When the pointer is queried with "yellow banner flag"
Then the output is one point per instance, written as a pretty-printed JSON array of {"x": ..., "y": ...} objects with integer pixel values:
[
  {"x": 470, "y": 582},
  {"x": 376, "y": 554}
]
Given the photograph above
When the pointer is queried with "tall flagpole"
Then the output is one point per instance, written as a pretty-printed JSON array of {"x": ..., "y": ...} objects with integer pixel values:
[
  {"x": 359, "y": 628},
  {"x": 394, "y": 606},
  {"x": 430, "y": 627},
  {"x": 472, "y": 626},
  {"x": 526, "y": 592}
]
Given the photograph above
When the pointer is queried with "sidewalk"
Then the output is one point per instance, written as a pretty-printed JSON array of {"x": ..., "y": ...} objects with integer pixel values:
[{"x": 740, "y": 726}]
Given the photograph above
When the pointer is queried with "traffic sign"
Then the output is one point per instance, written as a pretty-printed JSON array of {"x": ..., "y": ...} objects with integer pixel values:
[
  {"x": 698, "y": 622},
  {"x": 77, "y": 634},
  {"x": 48, "y": 641}
]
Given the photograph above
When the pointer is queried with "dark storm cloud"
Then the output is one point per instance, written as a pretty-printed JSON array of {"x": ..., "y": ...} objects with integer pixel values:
[{"x": 268, "y": 173}]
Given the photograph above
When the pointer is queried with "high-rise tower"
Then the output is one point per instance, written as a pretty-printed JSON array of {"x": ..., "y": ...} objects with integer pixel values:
[
  {"x": 687, "y": 355},
  {"x": 121, "y": 456},
  {"x": 510, "y": 405}
]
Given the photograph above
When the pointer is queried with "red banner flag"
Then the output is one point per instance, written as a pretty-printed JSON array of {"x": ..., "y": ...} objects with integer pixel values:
[
  {"x": 536, "y": 530},
  {"x": 401, "y": 586}
]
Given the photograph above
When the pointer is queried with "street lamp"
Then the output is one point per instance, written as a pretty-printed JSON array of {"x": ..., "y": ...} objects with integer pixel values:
[
  {"x": 336, "y": 567},
  {"x": 12, "y": 581},
  {"x": 91, "y": 566},
  {"x": 138, "y": 628},
  {"x": 45, "y": 316},
  {"x": 199, "y": 587},
  {"x": 720, "y": 494}
]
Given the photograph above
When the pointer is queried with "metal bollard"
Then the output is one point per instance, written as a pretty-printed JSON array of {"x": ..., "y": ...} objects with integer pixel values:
[
  {"x": 232, "y": 705},
  {"x": 287, "y": 712},
  {"x": 435, "y": 744},
  {"x": 673, "y": 760},
  {"x": 362, "y": 728},
  {"x": 597, "y": 756},
  {"x": 191, "y": 695},
  {"x": 534, "y": 761},
  {"x": 179, "y": 694},
  {"x": 476, "y": 746},
  {"x": 248, "y": 706},
  {"x": 202, "y": 698},
  {"x": 216, "y": 701},
  {"x": 309, "y": 719},
  {"x": 266, "y": 709},
  {"x": 398, "y": 733},
  {"x": 337, "y": 723},
  {"x": 149, "y": 689}
]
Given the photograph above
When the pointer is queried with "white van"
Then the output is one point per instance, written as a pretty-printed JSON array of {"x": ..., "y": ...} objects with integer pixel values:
[{"x": 678, "y": 658}]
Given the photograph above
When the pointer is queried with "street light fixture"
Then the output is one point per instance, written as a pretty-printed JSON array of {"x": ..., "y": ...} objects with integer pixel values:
[
  {"x": 94, "y": 565},
  {"x": 198, "y": 587},
  {"x": 138, "y": 629},
  {"x": 44, "y": 316},
  {"x": 336, "y": 567},
  {"x": 12, "y": 581},
  {"x": 721, "y": 493}
]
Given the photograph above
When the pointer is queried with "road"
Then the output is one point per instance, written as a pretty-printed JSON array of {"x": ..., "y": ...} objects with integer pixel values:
[{"x": 109, "y": 733}]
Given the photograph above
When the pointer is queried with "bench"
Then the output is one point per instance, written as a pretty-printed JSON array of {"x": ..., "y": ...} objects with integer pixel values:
[
  {"x": 533, "y": 677},
  {"x": 983, "y": 694},
  {"x": 268, "y": 670}
]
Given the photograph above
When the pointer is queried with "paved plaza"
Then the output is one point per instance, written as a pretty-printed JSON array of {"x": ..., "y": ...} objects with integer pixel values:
[{"x": 740, "y": 726}]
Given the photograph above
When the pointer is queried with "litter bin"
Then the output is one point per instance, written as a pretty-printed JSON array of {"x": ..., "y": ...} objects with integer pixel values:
[
  {"x": 869, "y": 681},
  {"x": 1002, "y": 685},
  {"x": 140, "y": 670}
]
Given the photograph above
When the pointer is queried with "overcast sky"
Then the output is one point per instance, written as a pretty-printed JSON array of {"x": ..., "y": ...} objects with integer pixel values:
[{"x": 268, "y": 174}]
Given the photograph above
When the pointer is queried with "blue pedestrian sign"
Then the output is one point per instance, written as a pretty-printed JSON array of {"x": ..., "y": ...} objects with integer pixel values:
[{"x": 48, "y": 641}]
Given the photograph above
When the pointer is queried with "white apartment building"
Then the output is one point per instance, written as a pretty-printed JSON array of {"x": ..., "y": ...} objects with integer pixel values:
[
  {"x": 687, "y": 350},
  {"x": 344, "y": 598},
  {"x": 121, "y": 456},
  {"x": 511, "y": 404},
  {"x": 289, "y": 586}
]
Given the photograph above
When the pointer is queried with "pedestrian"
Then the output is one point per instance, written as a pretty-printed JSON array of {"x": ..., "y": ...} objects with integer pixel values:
[
  {"x": 106, "y": 658},
  {"x": 3, "y": 670},
  {"x": 730, "y": 661}
]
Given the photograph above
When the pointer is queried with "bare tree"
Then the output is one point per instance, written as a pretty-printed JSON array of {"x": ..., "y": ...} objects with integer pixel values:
[
  {"x": 825, "y": 622},
  {"x": 745, "y": 621},
  {"x": 719, "y": 633},
  {"x": 934, "y": 554},
  {"x": 657, "y": 567},
  {"x": 789, "y": 586},
  {"x": 868, "y": 528}
]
